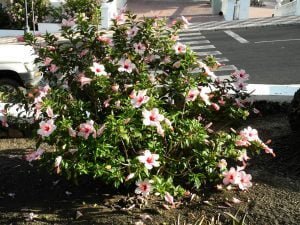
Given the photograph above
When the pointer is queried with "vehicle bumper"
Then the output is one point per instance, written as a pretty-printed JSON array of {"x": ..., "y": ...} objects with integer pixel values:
[{"x": 31, "y": 79}]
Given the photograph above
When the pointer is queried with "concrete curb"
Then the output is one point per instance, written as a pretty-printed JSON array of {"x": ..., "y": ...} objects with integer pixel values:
[
  {"x": 272, "y": 92},
  {"x": 249, "y": 23}
]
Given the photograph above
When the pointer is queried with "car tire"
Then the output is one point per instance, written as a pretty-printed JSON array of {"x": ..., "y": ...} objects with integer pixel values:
[{"x": 8, "y": 89}]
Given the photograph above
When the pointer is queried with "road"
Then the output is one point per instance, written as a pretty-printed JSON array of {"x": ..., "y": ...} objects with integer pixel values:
[{"x": 271, "y": 55}]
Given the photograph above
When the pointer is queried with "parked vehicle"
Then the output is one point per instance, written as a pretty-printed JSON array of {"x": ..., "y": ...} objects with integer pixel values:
[{"x": 17, "y": 68}]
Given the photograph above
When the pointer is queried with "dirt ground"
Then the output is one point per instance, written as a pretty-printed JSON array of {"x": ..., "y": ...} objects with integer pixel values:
[{"x": 273, "y": 199}]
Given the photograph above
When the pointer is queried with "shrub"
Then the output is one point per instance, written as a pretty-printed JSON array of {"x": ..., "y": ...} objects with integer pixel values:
[
  {"x": 138, "y": 107},
  {"x": 16, "y": 12}
]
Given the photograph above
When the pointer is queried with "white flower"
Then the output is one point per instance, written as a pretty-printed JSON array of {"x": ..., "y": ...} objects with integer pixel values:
[
  {"x": 57, "y": 163},
  {"x": 68, "y": 23},
  {"x": 192, "y": 95},
  {"x": 179, "y": 48},
  {"x": 46, "y": 128},
  {"x": 139, "y": 48},
  {"x": 126, "y": 65},
  {"x": 139, "y": 98},
  {"x": 152, "y": 118},
  {"x": 98, "y": 69},
  {"x": 205, "y": 97},
  {"x": 169, "y": 198},
  {"x": 143, "y": 187},
  {"x": 240, "y": 85},
  {"x": 149, "y": 159},
  {"x": 132, "y": 32},
  {"x": 186, "y": 23}
]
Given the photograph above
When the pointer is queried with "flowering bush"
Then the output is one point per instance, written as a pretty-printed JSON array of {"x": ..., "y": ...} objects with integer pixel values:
[{"x": 139, "y": 108}]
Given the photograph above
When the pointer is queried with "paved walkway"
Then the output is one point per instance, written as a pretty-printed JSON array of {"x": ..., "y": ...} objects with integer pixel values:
[{"x": 195, "y": 11}]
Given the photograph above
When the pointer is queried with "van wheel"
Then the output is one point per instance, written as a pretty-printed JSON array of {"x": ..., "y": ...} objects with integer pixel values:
[{"x": 9, "y": 90}]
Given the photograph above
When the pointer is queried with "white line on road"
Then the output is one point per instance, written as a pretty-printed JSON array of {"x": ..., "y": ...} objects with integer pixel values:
[
  {"x": 236, "y": 37},
  {"x": 257, "y": 42}
]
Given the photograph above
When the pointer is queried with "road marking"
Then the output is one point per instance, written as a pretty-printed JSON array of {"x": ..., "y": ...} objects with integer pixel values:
[
  {"x": 258, "y": 42},
  {"x": 199, "y": 47},
  {"x": 236, "y": 37}
]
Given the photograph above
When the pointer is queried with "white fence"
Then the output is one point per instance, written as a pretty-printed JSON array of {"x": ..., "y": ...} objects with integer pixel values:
[{"x": 288, "y": 9}]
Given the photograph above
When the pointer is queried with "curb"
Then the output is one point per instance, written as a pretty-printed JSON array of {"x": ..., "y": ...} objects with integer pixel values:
[
  {"x": 249, "y": 23},
  {"x": 272, "y": 92}
]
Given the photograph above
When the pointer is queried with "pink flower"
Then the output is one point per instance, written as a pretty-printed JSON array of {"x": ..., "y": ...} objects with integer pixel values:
[
  {"x": 236, "y": 200},
  {"x": 68, "y": 23},
  {"x": 139, "y": 99},
  {"x": 242, "y": 142},
  {"x": 204, "y": 96},
  {"x": 243, "y": 157},
  {"x": 166, "y": 60},
  {"x": 240, "y": 75},
  {"x": 72, "y": 132},
  {"x": 139, "y": 48},
  {"x": 3, "y": 119},
  {"x": 126, "y": 66},
  {"x": 149, "y": 159},
  {"x": 267, "y": 149},
  {"x": 222, "y": 164},
  {"x": 115, "y": 87},
  {"x": 130, "y": 176},
  {"x": 231, "y": 177},
  {"x": 85, "y": 129},
  {"x": 49, "y": 112},
  {"x": 106, "y": 103},
  {"x": 239, "y": 103},
  {"x": 132, "y": 32},
  {"x": 192, "y": 95},
  {"x": 152, "y": 118},
  {"x": 245, "y": 181},
  {"x": 43, "y": 91},
  {"x": 120, "y": 18},
  {"x": 169, "y": 198},
  {"x": 186, "y": 23},
  {"x": 98, "y": 69},
  {"x": 174, "y": 37},
  {"x": 222, "y": 102},
  {"x": 179, "y": 48},
  {"x": 207, "y": 70},
  {"x": 249, "y": 134},
  {"x": 47, "y": 61},
  {"x": 143, "y": 187},
  {"x": 105, "y": 40},
  {"x": 34, "y": 155},
  {"x": 53, "y": 68},
  {"x": 101, "y": 130},
  {"x": 240, "y": 85},
  {"x": 51, "y": 48},
  {"x": 169, "y": 123},
  {"x": 57, "y": 163},
  {"x": 46, "y": 128},
  {"x": 83, "y": 53},
  {"x": 83, "y": 80},
  {"x": 160, "y": 130},
  {"x": 215, "y": 106}
]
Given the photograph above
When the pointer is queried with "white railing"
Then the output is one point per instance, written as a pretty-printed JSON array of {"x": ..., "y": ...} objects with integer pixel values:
[
  {"x": 109, "y": 10},
  {"x": 288, "y": 9}
]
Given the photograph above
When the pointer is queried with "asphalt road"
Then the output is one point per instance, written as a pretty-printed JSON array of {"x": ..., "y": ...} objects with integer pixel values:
[{"x": 271, "y": 55}]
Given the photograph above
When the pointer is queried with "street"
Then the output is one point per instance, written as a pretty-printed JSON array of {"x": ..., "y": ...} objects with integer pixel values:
[{"x": 271, "y": 55}]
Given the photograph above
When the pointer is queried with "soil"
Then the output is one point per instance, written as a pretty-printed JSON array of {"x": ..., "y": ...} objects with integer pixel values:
[{"x": 273, "y": 199}]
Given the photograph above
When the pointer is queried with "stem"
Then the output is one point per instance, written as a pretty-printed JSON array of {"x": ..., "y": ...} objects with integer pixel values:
[{"x": 183, "y": 110}]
